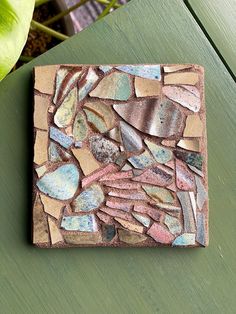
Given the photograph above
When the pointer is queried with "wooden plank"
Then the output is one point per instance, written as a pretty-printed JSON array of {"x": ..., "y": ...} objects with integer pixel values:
[
  {"x": 219, "y": 20},
  {"x": 121, "y": 280}
]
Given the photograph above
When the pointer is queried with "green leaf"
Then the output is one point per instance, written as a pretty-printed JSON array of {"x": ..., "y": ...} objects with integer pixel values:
[{"x": 15, "y": 17}]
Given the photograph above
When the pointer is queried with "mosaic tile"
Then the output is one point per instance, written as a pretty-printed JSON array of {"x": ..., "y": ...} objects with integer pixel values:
[
  {"x": 144, "y": 87},
  {"x": 61, "y": 183},
  {"x": 86, "y": 223},
  {"x": 163, "y": 120},
  {"x": 120, "y": 156},
  {"x": 91, "y": 198},
  {"x": 116, "y": 86},
  {"x": 161, "y": 154}
]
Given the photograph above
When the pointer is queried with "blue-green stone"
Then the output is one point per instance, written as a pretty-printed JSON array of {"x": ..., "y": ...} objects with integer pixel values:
[
  {"x": 89, "y": 199},
  {"x": 85, "y": 223},
  {"x": 184, "y": 240},
  {"x": 61, "y": 184},
  {"x": 161, "y": 154},
  {"x": 152, "y": 72},
  {"x": 201, "y": 234},
  {"x": 108, "y": 232},
  {"x": 53, "y": 153},
  {"x": 192, "y": 159},
  {"x": 142, "y": 219},
  {"x": 173, "y": 224},
  {"x": 142, "y": 161}
]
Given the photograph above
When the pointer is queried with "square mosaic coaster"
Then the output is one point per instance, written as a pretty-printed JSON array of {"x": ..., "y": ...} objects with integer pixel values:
[{"x": 120, "y": 156}]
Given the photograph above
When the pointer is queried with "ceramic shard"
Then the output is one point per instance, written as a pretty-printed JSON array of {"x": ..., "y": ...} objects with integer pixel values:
[
  {"x": 91, "y": 198},
  {"x": 80, "y": 127},
  {"x": 201, "y": 193},
  {"x": 108, "y": 232},
  {"x": 113, "y": 212},
  {"x": 41, "y": 105},
  {"x": 142, "y": 161},
  {"x": 184, "y": 178},
  {"x": 131, "y": 195},
  {"x": 129, "y": 225},
  {"x": 161, "y": 154},
  {"x": 130, "y": 138},
  {"x": 201, "y": 229},
  {"x": 61, "y": 183},
  {"x": 60, "y": 137},
  {"x": 104, "y": 217},
  {"x": 160, "y": 234},
  {"x": 55, "y": 234},
  {"x": 159, "y": 194},
  {"x": 193, "y": 144},
  {"x": 53, "y": 153},
  {"x": 40, "y": 147},
  {"x": 144, "y": 220},
  {"x": 40, "y": 226},
  {"x": 188, "y": 78},
  {"x": 117, "y": 204},
  {"x": 173, "y": 224},
  {"x": 44, "y": 78},
  {"x": 116, "y": 86},
  {"x": 177, "y": 67},
  {"x": 150, "y": 117},
  {"x": 103, "y": 150},
  {"x": 86, "y": 84},
  {"x": 189, "y": 221},
  {"x": 105, "y": 68},
  {"x": 41, "y": 170},
  {"x": 193, "y": 126},
  {"x": 158, "y": 175},
  {"x": 154, "y": 213},
  {"x": 86, "y": 160},
  {"x": 117, "y": 176},
  {"x": 85, "y": 223},
  {"x": 114, "y": 134},
  {"x": 145, "y": 71},
  {"x": 98, "y": 174},
  {"x": 122, "y": 185},
  {"x": 51, "y": 206},
  {"x": 88, "y": 238},
  {"x": 185, "y": 239},
  {"x": 145, "y": 87},
  {"x": 191, "y": 158},
  {"x": 131, "y": 237}
]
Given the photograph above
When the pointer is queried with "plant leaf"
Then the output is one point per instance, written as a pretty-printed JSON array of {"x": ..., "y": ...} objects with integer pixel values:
[{"x": 15, "y": 17}]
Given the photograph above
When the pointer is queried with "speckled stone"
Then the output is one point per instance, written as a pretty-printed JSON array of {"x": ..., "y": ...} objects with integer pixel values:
[
  {"x": 150, "y": 117},
  {"x": 86, "y": 223},
  {"x": 192, "y": 159},
  {"x": 173, "y": 224},
  {"x": 184, "y": 239},
  {"x": 108, "y": 232},
  {"x": 184, "y": 178},
  {"x": 158, "y": 194},
  {"x": 103, "y": 150},
  {"x": 61, "y": 183},
  {"x": 115, "y": 86},
  {"x": 130, "y": 138},
  {"x": 80, "y": 127},
  {"x": 161, "y": 154},
  {"x": 60, "y": 137},
  {"x": 142, "y": 161},
  {"x": 131, "y": 237},
  {"x": 144, "y": 220},
  {"x": 201, "y": 193},
  {"x": 147, "y": 71},
  {"x": 89, "y": 199},
  {"x": 87, "y": 83},
  {"x": 158, "y": 175},
  {"x": 160, "y": 234}
]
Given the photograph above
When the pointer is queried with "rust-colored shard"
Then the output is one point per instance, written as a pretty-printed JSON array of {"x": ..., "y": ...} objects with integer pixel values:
[
  {"x": 160, "y": 234},
  {"x": 154, "y": 213},
  {"x": 150, "y": 117}
]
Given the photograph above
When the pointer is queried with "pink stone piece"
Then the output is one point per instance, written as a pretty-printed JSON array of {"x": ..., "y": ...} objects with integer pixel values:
[
  {"x": 117, "y": 176},
  {"x": 104, "y": 217},
  {"x": 160, "y": 234},
  {"x": 170, "y": 164},
  {"x": 184, "y": 178},
  {"x": 117, "y": 204},
  {"x": 122, "y": 185},
  {"x": 116, "y": 213},
  {"x": 131, "y": 195},
  {"x": 159, "y": 175},
  {"x": 97, "y": 175},
  {"x": 172, "y": 187},
  {"x": 150, "y": 211}
]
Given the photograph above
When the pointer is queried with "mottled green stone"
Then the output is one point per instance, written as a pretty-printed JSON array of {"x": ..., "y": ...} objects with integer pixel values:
[
  {"x": 97, "y": 122},
  {"x": 142, "y": 161},
  {"x": 89, "y": 199},
  {"x": 80, "y": 127},
  {"x": 158, "y": 194},
  {"x": 173, "y": 224},
  {"x": 108, "y": 232},
  {"x": 161, "y": 154}
]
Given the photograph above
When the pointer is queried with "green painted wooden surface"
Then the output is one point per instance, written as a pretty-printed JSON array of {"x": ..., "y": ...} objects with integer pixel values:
[
  {"x": 106, "y": 280},
  {"x": 219, "y": 20}
]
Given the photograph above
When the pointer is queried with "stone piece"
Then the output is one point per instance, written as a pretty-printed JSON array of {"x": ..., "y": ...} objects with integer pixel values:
[
  {"x": 116, "y": 213},
  {"x": 131, "y": 195},
  {"x": 41, "y": 105},
  {"x": 117, "y": 176},
  {"x": 169, "y": 143},
  {"x": 126, "y": 167},
  {"x": 92, "y": 238},
  {"x": 130, "y": 237},
  {"x": 108, "y": 232},
  {"x": 201, "y": 229},
  {"x": 150, "y": 211},
  {"x": 145, "y": 87},
  {"x": 124, "y": 185},
  {"x": 61, "y": 183},
  {"x": 189, "y": 221},
  {"x": 129, "y": 225},
  {"x": 105, "y": 68},
  {"x": 194, "y": 205},
  {"x": 144, "y": 220},
  {"x": 78, "y": 144},
  {"x": 86, "y": 160},
  {"x": 55, "y": 234},
  {"x": 110, "y": 168},
  {"x": 192, "y": 159},
  {"x": 103, "y": 150},
  {"x": 184, "y": 239},
  {"x": 173, "y": 224},
  {"x": 188, "y": 78},
  {"x": 44, "y": 77},
  {"x": 117, "y": 204},
  {"x": 53, "y": 153},
  {"x": 150, "y": 117},
  {"x": 161, "y": 154},
  {"x": 194, "y": 169},
  {"x": 151, "y": 71},
  {"x": 176, "y": 67},
  {"x": 160, "y": 234},
  {"x": 193, "y": 126},
  {"x": 184, "y": 178},
  {"x": 158, "y": 194},
  {"x": 159, "y": 175},
  {"x": 91, "y": 198},
  {"x": 114, "y": 134},
  {"x": 60, "y": 137},
  {"x": 66, "y": 110},
  {"x": 104, "y": 217},
  {"x": 142, "y": 161},
  {"x": 80, "y": 127},
  {"x": 116, "y": 86},
  {"x": 41, "y": 170},
  {"x": 193, "y": 144},
  {"x": 183, "y": 97},
  {"x": 86, "y": 84},
  {"x": 167, "y": 207},
  {"x": 201, "y": 193},
  {"x": 95, "y": 122},
  {"x": 40, "y": 226},
  {"x": 40, "y": 147},
  {"x": 86, "y": 223},
  {"x": 130, "y": 138},
  {"x": 51, "y": 206}
]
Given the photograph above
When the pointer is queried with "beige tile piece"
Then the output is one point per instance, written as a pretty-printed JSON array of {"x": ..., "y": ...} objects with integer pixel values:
[
  {"x": 188, "y": 78},
  {"x": 129, "y": 225},
  {"x": 193, "y": 145},
  {"x": 41, "y": 170},
  {"x": 86, "y": 160},
  {"x": 44, "y": 78},
  {"x": 193, "y": 127},
  {"x": 41, "y": 147},
  {"x": 54, "y": 231},
  {"x": 40, "y": 226},
  {"x": 170, "y": 143},
  {"x": 41, "y": 105},
  {"x": 83, "y": 238},
  {"x": 145, "y": 87},
  {"x": 177, "y": 67},
  {"x": 51, "y": 206}
]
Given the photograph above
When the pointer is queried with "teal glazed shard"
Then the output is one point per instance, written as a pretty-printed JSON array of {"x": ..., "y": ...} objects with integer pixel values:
[
  {"x": 61, "y": 183},
  {"x": 152, "y": 72},
  {"x": 85, "y": 223},
  {"x": 91, "y": 198},
  {"x": 120, "y": 156},
  {"x": 116, "y": 86}
]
